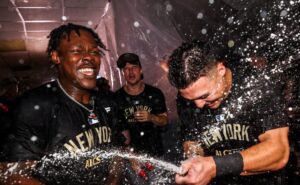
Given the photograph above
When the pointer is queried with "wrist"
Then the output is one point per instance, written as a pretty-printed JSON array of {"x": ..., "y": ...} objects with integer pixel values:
[
  {"x": 231, "y": 164},
  {"x": 152, "y": 118}
]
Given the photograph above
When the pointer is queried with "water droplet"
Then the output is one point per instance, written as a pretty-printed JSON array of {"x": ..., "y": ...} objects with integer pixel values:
[
  {"x": 21, "y": 61},
  {"x": 230, "y": 43},
  {"x": 33, "y": 138},
  {"x": 90, "y": 23},
  {"x": 204, "y": 31},
  {"x": 272, "y": 36},
  {"x": 211, "y": 1},
  {"x": 283, "y": 13},
  {"x": 142, "y": 133},
  {"x": 136, "y": 24},
  {"x": 200, "y": 15},
  {"x": 169, "y": 7},
  {"x": 64, "y": 18},
  {"x": 263, "y": 14},
  {"x": 230, "y": 20},
  {"x": 122, "y": 45},
  {"x": 148, "y": 31},
  {"x": 48, "y": 85},
  {"x": 267, "y": 77},
  {"x": 36, "y": 107}
]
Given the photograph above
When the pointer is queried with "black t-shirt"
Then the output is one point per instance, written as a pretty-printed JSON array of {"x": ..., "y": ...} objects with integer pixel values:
[
  {"x": 52, "y": 128},
  {"x": 146, "y": 136},
  {"x": 253, "y": 107}
]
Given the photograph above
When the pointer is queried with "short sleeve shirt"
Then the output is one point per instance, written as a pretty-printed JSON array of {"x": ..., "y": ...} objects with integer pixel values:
[
  {"x": 146, "y": 136},
  {"x": 254, "y": 106},
  {"x": 53, "y": 129}
]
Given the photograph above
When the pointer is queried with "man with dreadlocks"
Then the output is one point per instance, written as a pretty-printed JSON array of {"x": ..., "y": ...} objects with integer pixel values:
[
  {"x": 236, "y": 131},
  {"x": 60, "y": 127}
]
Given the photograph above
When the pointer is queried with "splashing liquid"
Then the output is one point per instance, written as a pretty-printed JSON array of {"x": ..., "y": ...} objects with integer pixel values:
[{"x": 50, "y": 166}]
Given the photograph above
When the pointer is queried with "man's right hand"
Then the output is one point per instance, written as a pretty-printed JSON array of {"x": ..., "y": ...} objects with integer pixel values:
[{"x": 197, "y": 171}]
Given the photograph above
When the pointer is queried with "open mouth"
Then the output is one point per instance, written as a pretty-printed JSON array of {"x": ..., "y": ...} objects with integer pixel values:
[
  {"x": 212, "y": 104},
  {"x": 87, "y": 71},
  {"x": 132, "y": 77}
]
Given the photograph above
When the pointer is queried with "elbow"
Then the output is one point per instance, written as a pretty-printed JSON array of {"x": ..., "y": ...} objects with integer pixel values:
[
  {"x": 282, "y": 162},
  {"x": 166, "y": 120},
  {"x": 280, "y": 165},
  {"x": 161, "y": 120}
]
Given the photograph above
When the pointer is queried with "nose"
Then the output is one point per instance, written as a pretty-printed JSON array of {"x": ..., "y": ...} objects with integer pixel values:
[
  {"x": 200, "y": 103},
  {"x": 86, "y": 56}
]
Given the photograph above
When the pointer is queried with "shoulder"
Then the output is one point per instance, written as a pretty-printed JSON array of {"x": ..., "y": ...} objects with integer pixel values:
[
  {"x": 119, "y": 92},
  {"x": 150, "y": 88},
  {"x": 119, "y": 95},
  {"x": 40, "y": 96},
  {"x": 42, "y": 91}
]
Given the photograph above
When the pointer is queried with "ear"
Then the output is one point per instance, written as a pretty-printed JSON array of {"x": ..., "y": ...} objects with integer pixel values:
[
  {"x": 221, "y": 69},
  {"x": 55, "y": 57}
]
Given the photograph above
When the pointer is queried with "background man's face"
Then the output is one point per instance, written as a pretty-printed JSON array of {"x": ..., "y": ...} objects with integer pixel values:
[
  {"x": 132, "y": 73},
  {"x": 80, "y": 60}
]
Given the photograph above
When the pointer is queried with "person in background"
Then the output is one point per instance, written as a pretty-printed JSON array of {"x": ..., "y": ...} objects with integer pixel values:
[
  {"x": 103, "y": 86},
  {"x": 142, "y": 110},
  {"x": 58, "y": 123},
  {"x": 8, "y": 95},
  {"x": 236, "y": 131}
]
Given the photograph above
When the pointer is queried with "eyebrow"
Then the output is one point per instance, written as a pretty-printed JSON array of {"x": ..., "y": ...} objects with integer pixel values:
[
  {"x": 198, "y": 98},
  {"x": 201, "y": 97}
]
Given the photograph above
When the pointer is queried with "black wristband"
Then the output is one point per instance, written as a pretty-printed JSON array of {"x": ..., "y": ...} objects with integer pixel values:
[{"x": 231, "y": 164}]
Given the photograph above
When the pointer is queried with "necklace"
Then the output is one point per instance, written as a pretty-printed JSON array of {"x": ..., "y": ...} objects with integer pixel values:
[{"x": 92, "y": 118}]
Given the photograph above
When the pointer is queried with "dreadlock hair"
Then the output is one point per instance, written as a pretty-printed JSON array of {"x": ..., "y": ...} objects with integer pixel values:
[
  {"x": 64, "y": 31},
  {"x": 189, "y": 62}
]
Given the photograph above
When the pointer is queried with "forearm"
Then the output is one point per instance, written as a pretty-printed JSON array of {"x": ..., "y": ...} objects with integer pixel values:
[
  {"x": 160, "y": 119},
  {"x": 270, "y": 154}
]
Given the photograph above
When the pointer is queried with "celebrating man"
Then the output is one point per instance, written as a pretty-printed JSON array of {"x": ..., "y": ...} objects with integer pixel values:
[{"x": 235, "y": 128}]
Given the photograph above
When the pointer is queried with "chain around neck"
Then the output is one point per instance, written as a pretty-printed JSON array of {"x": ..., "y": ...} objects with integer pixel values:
[{"x": 74, "y": 100}]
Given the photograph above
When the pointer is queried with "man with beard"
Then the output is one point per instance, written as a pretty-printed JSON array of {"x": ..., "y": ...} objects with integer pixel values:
[
  {"x": 236, "y": 131},
  {"x": 59, "y": 124}
]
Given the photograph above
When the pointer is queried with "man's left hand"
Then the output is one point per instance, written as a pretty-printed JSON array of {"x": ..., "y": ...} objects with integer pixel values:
[{"x": 142, "y": 116}]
